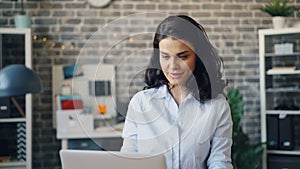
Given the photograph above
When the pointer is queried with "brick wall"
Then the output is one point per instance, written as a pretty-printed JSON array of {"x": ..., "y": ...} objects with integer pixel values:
[{"x": 63, "y": 31}]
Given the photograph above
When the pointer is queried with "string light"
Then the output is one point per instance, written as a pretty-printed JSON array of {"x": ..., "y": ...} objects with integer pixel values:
[
  {"x": 115, "y": 35},
  {"x": 35, "y": 37},
  {"x": 44, "y": 39},
  {"x": 131, "y": 40},
  {"x": 72, "y": 47},
  {"x": 53, "y": 44}
]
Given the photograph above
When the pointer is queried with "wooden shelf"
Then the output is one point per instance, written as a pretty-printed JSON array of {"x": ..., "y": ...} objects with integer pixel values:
[
  {"x": 283, "y": 72},
  {"x": 283, "y": 89},
  {"x": 285, "y": 152},
  {"x": 276, "y": 55},
  {"x": 102, "y": 132},
  {"x": 12, "y": 120},
  {"x": 25, "y": 46},
  {"x": 13, "y": 164},
  {"x": 278, "y": 70},
  {"x": 288, "y": 112}
]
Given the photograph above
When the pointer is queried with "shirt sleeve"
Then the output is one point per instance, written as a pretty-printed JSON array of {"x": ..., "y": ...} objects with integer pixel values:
[
  {"x": 130, "y": 129},
  {"x": 220, "y": 153}
]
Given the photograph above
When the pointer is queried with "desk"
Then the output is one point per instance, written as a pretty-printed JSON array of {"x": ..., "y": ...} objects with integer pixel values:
[{"x": 107, "y": 132}]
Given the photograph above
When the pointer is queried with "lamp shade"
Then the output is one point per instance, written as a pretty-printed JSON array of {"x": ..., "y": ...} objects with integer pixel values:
[{"x": 18, "y": 80}]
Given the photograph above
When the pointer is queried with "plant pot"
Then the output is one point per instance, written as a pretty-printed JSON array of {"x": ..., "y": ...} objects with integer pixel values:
[
  {"x": 278, "y": 22},
  {"x": 22, "y": 21}
]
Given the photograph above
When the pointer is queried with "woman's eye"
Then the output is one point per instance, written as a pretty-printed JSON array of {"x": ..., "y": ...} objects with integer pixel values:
[
  {"x": 183, "y": 57},
  {"x": 165, "y": 57}
]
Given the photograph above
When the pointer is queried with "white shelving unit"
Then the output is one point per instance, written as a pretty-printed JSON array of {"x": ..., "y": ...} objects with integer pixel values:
[
  {"x": 80, "y": 132},
  {"x": 278, "y": 82},
  {"x": 26, "y": 32}
]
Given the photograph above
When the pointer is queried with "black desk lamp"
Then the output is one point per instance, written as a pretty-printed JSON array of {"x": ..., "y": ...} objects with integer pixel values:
[{"x": 19, "y": 80}]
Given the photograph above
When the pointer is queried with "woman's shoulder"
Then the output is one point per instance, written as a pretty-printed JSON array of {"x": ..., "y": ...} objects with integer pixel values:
[
  {"x": 152, "y": 92},
  {"x": 219, "y": 106},
  {"x": 148, "y": 94},
  {"x": 142, "y": 99},
  {"x": 219, "y": 100}
]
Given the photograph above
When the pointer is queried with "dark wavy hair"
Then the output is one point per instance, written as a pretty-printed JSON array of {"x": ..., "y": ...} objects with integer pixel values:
[{"x": 206, "y": 82}]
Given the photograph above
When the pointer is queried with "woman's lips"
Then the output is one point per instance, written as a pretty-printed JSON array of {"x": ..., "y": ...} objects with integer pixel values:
[{"x": 175, "y": 75}]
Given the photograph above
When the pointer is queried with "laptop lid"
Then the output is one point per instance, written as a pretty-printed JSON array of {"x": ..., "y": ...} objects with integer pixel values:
[{"x": 87, "y": 159}]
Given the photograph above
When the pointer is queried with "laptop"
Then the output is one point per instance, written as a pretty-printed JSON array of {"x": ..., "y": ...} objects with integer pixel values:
[{"x": 90, "y": 159}]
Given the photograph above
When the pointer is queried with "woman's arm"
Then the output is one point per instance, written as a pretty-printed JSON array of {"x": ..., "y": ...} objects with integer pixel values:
[
  {"x": 129, "y": 137},
  {"x": 220, "y": 153},
  {"x": 130, "y": 128}
]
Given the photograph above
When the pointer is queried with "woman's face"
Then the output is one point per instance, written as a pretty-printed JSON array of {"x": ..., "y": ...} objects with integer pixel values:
[{"x": 177, "y": 60}]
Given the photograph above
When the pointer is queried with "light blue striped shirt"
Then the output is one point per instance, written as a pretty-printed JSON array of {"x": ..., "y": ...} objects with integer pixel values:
[{"x": 191, "y": 135}]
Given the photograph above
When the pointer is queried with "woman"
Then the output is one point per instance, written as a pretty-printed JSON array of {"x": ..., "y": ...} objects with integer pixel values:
[{"x": 182, "y": 112}]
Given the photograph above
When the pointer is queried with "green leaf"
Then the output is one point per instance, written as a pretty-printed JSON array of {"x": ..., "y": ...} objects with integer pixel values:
[
  {"x": 244, "y": 155},
  {"x": 277, "y": 8},
  {"x": 236, "y": 106},
  {"x": 251, "y": 157}
]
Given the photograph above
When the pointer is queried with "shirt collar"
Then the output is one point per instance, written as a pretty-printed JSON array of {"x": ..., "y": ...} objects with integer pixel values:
[{"x": 163, "y": 92}]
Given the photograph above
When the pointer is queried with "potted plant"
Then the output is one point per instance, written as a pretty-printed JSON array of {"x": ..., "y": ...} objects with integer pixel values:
[
  {"x": 22, "y": 20},
  {"x": 279, "y": 10},
  {"x": 244, "y": 154}
]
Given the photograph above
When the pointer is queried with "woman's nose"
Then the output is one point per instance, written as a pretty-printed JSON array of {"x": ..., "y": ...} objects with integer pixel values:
[{"x": 174, "y": 63}]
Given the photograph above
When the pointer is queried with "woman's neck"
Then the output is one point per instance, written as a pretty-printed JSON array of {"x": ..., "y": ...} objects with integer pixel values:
[{"x": 179, "y": 92}]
